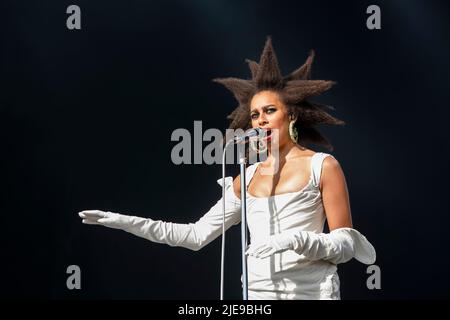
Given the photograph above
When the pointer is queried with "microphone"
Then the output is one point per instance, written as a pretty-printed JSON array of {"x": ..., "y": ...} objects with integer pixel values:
[{"x": 254, "y": 132}]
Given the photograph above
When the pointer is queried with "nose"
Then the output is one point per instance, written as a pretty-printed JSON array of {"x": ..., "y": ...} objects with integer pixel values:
[{"x": 262, "y": 120}]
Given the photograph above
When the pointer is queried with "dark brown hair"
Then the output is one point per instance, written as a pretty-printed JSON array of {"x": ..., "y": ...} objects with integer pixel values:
[{"x": 294, "y": 90}]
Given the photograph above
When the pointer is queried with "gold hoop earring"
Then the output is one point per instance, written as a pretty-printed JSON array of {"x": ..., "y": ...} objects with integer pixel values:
[{"x": 293, "y": 132}]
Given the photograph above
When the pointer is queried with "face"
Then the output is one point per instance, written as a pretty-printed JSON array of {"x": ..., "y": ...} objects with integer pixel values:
[{"x": 267, "y": 111}]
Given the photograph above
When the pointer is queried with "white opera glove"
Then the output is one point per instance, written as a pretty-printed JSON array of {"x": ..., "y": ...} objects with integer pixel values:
[
  {"x": 111, "y": 219},
  {"x": 277, "y": 243},
  {"x": 338, "y": 246},
  {"x": 193, "y": 236}
]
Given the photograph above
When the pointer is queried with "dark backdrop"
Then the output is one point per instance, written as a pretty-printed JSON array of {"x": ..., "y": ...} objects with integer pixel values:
[{"x": 86, "y": 118}]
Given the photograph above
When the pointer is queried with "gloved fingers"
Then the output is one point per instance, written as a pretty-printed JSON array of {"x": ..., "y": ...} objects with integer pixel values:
[
  {"x": 279, "y": 245},
  {"x": 263, "y": 252},
  {"x": 107, "y": 221},
  {"x": 92, "y": 214},
  {"x": 87, "y": 221},
  {"x": 259, "y": 249},
  {"x": 254, "y": 248},
  {"x": 83, "y": 216},
  {"x": 94, "y": 217},
  {"x": 266, "y": 254}
]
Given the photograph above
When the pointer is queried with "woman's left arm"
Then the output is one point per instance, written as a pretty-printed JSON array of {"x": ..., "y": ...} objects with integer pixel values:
[
  {"x": 341, "y": 244},
  {"x": 335, "y": 196}
]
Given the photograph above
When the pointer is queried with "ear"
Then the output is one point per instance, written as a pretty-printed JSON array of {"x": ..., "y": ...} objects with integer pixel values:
[{"x": 292, "y": 116}]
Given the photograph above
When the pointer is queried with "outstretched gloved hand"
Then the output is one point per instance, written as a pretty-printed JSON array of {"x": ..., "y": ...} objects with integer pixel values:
[
  {"x": 338, "y": 246},
  {"x": 107, "y": 219},
  {"x": 193, "y": 236}
]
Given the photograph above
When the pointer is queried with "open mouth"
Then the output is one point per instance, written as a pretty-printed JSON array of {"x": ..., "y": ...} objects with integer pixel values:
[{"x": 266, "y": 134}]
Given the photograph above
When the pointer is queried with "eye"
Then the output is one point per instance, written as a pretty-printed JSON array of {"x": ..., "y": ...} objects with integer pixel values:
[
  {"x": 254, "y": 116},
  {"x": 271, "y": 110}
]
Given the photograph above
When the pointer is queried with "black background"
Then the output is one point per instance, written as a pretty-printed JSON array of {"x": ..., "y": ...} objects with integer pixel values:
[{"x": 86, "y": 118}]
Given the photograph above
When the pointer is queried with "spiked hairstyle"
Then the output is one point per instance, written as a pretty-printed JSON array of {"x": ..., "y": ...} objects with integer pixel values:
[{"x": 294, "y": 90}]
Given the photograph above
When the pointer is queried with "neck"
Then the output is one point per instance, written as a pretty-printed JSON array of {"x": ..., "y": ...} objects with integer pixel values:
[{"x": 283, "y": 153}]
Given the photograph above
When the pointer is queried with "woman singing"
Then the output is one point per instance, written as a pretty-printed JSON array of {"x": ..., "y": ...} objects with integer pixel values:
[{"x": 289, "y": 196}]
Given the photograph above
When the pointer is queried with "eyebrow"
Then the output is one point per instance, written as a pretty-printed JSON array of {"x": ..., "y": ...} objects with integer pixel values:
[{"x": 266, "y": 106}]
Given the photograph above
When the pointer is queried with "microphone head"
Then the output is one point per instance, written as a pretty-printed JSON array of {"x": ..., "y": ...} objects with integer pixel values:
[{"x": 253, "y": 132}]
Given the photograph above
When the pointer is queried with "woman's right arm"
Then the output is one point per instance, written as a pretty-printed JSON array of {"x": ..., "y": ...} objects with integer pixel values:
[{"x": 192, "y": 236}]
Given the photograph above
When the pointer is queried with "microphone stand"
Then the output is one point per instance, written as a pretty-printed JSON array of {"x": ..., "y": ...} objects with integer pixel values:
[
  {"x": 242, "y": 160},
  {"x": 244, "y": 243}
]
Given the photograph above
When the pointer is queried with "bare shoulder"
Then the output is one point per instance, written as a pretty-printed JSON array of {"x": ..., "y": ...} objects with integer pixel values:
[
  {"x": 331, "y": 171},
  {"x": 331, "y": 163}
]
